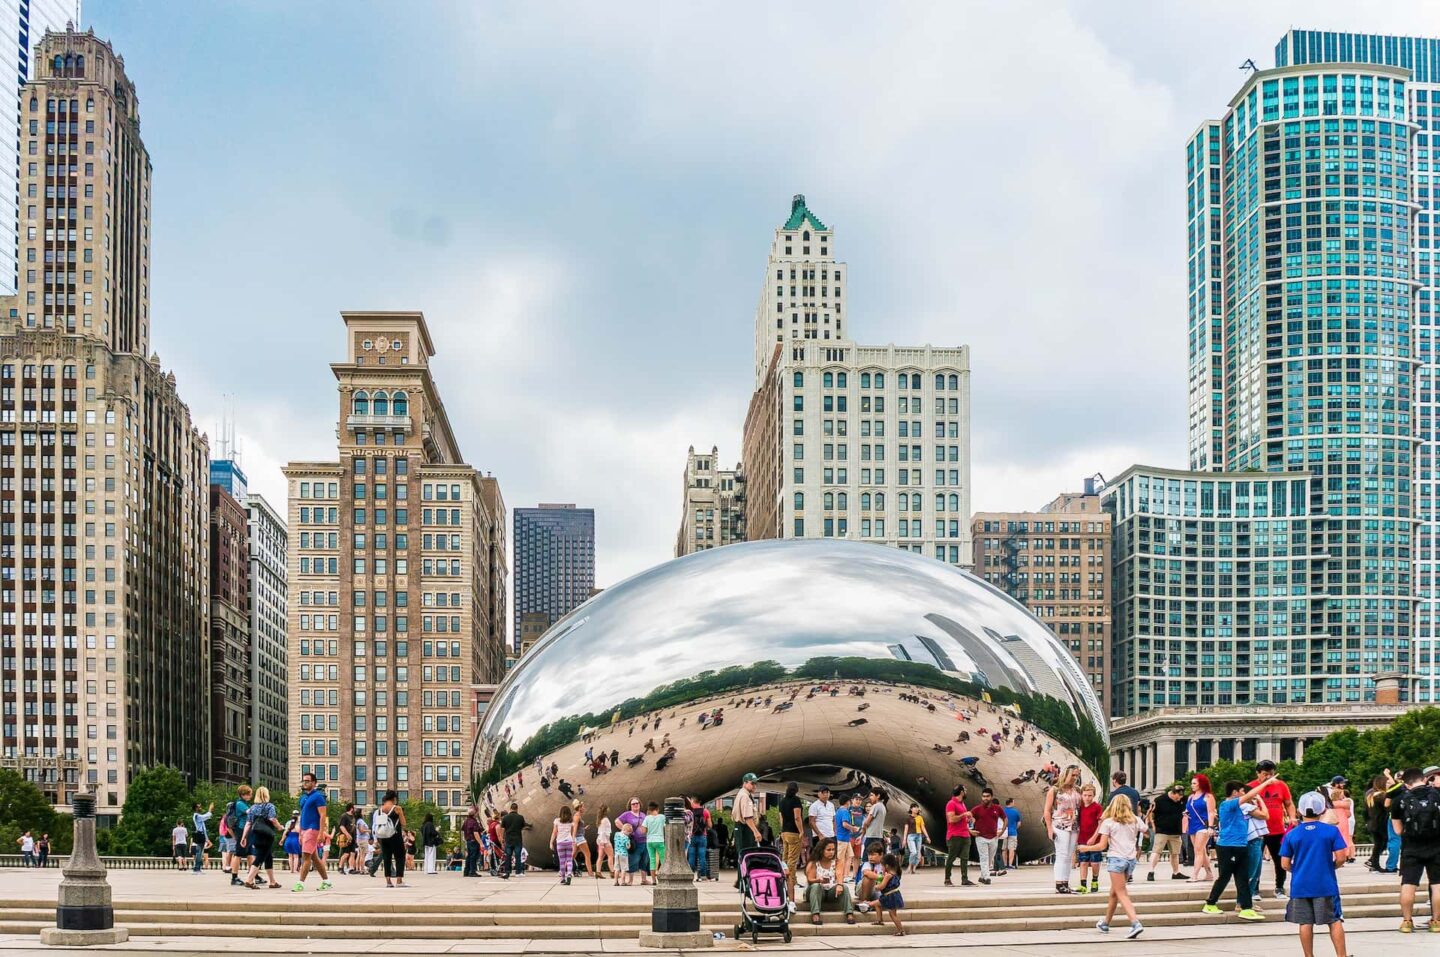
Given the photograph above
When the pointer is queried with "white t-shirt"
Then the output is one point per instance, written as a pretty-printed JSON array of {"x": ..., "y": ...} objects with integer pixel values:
[
  {"x": 1123, "y": 837},
  {"x": 1259, "y": 826},
  {"x": 602, "y": 830},
  {"x": 27, "y": 844},
  {"x": 824, "y": 814},
  {"x": 178, "y": 837}
]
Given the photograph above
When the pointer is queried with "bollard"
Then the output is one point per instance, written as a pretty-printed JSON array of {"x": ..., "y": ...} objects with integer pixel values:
[
  {"x": 675, "y": 910},
  {"x": 84, "y": 916}
]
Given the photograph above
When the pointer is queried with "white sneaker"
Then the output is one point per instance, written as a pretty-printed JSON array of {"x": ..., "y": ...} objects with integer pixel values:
[
  {"x": 1136, "y": 929},
  {"x": 1101, "y": 926},
  {"x": 863, "y": 907}
]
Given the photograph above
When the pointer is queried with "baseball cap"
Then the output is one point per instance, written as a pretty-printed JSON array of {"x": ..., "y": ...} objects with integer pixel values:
[
  {"x": 1177, "y": 786},
  {"x": 1338, "y": 779},
  {"x": 750, "y": 776},
  {"x": 1312, "y": 803},
  {"x": 1432, "y": 769}
]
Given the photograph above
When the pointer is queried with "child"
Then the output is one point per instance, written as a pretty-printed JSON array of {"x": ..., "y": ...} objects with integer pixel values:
[
  {"x": 622, "y": 854},
  {"x": 872, "y": 873},
  {"x": 654, "y": 825},
  {"x": 890, "y": 898},
  {"x": 1118, "y": 835},
  {"x": 1311, "y": 852},
  {"x": 1089, "y": 821}
]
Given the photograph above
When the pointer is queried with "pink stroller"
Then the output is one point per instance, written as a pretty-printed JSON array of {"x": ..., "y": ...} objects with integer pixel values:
[{"x": 763, "y": 907}]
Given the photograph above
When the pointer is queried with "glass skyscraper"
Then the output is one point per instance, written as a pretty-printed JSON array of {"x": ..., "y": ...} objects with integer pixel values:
[
  {"x": 1419, "y": 57},
  {"x": 554, "y": 561}
]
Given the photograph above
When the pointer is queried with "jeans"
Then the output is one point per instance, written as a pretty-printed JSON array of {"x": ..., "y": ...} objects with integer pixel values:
[
  {"x": 914, "y": 842},
  {"x": 199, "y": 852},
  {"x": 1392, "y": 847},
  {"x": 1255, "y": 858},
  {"x": 697, "y": 855},
  {"x": 958, "y": 847},
  {"x": 1064, "y": 854},
  {"x": 1234, "y": 862},
  {"x": 472, "y": 858},
  {"x": 986, "y": 847},
  {"x": 513, "y": 863}
]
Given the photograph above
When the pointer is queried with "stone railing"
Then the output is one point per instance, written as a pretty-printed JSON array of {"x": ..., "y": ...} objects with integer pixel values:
[{"x": 57, "y": 861}]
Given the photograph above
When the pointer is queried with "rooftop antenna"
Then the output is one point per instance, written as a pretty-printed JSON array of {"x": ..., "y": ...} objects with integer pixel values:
[{"x": 1250, "y": 65}]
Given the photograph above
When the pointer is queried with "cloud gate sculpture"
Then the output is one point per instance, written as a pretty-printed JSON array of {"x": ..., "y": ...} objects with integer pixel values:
[{"x": 812, "y": 660}]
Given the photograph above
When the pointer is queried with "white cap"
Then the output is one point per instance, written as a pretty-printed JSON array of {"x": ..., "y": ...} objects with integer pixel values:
[{"x": 1312, "y": 803}]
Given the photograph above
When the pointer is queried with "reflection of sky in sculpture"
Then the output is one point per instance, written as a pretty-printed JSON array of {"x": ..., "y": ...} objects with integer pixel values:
[{"x": 786, "y": 601}]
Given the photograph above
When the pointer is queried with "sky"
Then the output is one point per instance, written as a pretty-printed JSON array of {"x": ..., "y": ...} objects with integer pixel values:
[{"x": 581, "y": 198}]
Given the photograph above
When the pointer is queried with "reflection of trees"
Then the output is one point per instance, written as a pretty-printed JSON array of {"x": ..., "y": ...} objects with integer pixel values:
[{"x": 1055, "y": 718}]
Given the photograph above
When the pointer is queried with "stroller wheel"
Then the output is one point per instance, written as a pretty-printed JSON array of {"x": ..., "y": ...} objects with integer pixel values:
[
  {"x": 787, "y": 935},
  {"x": 755, "y": 937},
  {"x": 739, "y": 931}
]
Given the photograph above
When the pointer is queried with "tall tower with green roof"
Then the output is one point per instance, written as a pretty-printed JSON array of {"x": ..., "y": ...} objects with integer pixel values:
[{"x": 801, "y": 295}]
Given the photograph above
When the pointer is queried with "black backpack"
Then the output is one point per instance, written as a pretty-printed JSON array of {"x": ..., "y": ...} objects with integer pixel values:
[
  {"x": 1421, "y": 814},
  {"x": 232, "y": 821}
]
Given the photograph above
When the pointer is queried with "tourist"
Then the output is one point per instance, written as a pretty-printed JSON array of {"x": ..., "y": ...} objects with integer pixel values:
[
  {"x": 1257, "y": 819},
  {"x": 1344, "y": 813},
  {"x": 1167, "y": 815},
  {"x": 27, "y": 848},
  {"x": 582, "y": 842},
  {"x": 654, "y": 824},
  {"x": 42, "y": 850},
  {"x": 824, "y": 883},
  {"x": 1087, "y": 823},
  {"x": 697, "y": 849},
  {"x": 201, "y": 834},
  {"x": 562, "y": 842},
  {"x": 957, "y": 836},
  {"x": 1232, "y": 841},
  {"x": 1062, "y": 813},
  {"x": 889, "y": 898},
  {"x": 387, "y": 827},
  {"x": 513, "y": 826},
  {"x": 990, "y": 825},
  {"x": 1013, "y": 822},
  {"x": 1118, "y": 837},
  {"x": 604, "y": 848},
  {"x": 623, "y": 844},
  {"x": 345, "y": 839},
  {"x": 1200, "y": 827},
  {"x": 312, "y": 825},
  {"x": 179, "y": 845},
  {"x": 915, "y": 837},
  {"x": 873, "y": 828},
  {"x": 847, "y": 837},
  {"x": 1118, "y": 786},
  {"x": 258, "y": 834},
  {"x": 1311, "y": 852},
  {"x": 410, "y": 850},
  {"x": 792, "y": 839},
  {"x": 496, "y": 840},
  {"x": 639, "y": 862},
  {"x": 291, "y": 842},
  {"x": 1281, "y": 808},
  {"x": 872, "y": 872},
  {"x": 430, "y": 842},
  {"x": 470, "y": 831},
  {"x": 1415, "y": 815},
  {"x": 746, "y": 813},
  {"x": 820, "y": 817}
]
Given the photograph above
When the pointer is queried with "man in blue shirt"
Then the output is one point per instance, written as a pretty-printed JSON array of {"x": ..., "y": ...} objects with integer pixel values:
[
  {"x": 847, "y": 832},
  {"x": 1232, "y": 851},
  {"x": 1311, "y": 852},
  {"x": 312, "y": 829},
  {"x": 202, "y": 836},
  {"x": 1012, "y": 832}
]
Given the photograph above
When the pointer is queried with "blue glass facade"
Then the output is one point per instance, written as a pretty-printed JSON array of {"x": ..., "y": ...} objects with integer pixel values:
[
  {"x": 226, "y": 474},
  {"x": 554, "y": 561}
]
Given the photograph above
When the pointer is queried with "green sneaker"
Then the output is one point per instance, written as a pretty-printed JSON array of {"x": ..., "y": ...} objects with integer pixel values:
[
  {"x": 299, "y": 886},
  {"x": 1249, "y": 915},
  {"x": 1082, "y": 889},
  {"x": 1210, "y": 909},
  {"x": 326, "y": 885}
]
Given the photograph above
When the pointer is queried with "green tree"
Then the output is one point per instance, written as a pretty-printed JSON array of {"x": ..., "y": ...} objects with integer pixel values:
[
  {"x": 155, "y": 800},
  {"x": 23, "y": 807}
]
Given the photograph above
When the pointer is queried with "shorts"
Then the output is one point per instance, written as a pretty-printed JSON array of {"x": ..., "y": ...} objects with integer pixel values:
[
  {"x": 1415, "y": 861},
  {"x": 622, "y": 863},
  {"x": 791, "y": 844},
  {"x": 844, "y": 850},
  {"x": 227, "y": 845},
  {"x": 1012, "y": 841},
  {"x": 1170, "y": 842},
  {"x": 1090, "y": 857},
  {"x": 1313, "y": 910},
  {"x": 181, "y": 851},
  {"x": 1121, "y": 865},
  {"x": 310, "y": 841}
]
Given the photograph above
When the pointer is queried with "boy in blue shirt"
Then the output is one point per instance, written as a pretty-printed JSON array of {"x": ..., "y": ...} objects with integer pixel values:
[
  {"x": 1232, "y": 850},
  {"x": 1012, "y": 833},
  {"x": 1311, "y": 852}
]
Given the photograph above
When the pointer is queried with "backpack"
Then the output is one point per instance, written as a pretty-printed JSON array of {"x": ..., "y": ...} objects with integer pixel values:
[
  {"x": 1421, "y": 815},
  {"x": 230, "y": 824},
  {"x": 381, "y": 826}
]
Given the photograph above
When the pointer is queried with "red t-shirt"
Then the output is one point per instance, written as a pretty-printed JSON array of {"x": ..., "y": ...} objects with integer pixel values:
[
  {"x": 989, "y": 820},
  {"x": 953, "y": 829},
  {"x": 1275, "y": 795},
  {"x": 1090, "y": 815}
]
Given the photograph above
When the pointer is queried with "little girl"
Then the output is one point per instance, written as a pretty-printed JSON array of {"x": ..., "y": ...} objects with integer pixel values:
[
  {"x": 1088, "y": 821},
  {"x": 1119, "y": 836},
  {"x": 890, "y": 898},
  {"x": 562, "y": 840},
  {"x": 622, "y": 854}
]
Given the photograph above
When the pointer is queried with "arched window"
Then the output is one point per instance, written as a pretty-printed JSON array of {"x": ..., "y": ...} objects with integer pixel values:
[
  {"x": 939, "y": 382},
  {"x": 799, "y": 379},
  {"x": 879, "y": 501},
  {"x": 829, "y": 500},
  {"x": 915, "y": 505},
  {"x": 904, "y": 502},
  {"x": 864, "y": 501},
  {"x": 361, "y": 403},
  {"x": 59, "y": 65},
  {"x": 799, "y": 501},
  {"x": 939, "y": 501},
  {"x": 954, "y": 383},
  {"x": 904, "y": 381},
  {"x": 827, "y": 380},
  {"x": 79, "y": 66},
  {"x": 382, "y": 403},
  {"x": 806, "y": 235},
  {"x": 400, "y": 404},
  {"x": 864, "y": 380},
  {"x": 954, "y": 502},
  {"x": 844, "y": 502},
  {"x": 879, "y": 380},
  {"x": 840, "y": 380},
  {"x": 34, "y": 105}
]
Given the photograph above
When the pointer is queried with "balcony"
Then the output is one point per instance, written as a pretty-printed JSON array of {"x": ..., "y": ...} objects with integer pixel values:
[{"x": 397, "y": 423}]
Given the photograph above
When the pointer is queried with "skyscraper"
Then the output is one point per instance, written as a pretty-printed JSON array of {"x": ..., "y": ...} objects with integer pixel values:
[
  {"x": 396, "y": 531},
  {"x": 269, "y": 653},
  {"x": 554, "y": 560},
  {"x": 23, "y": 24},
  {"x": 714, "y": 499},
  {"x": 850, "y": 441},
  {"x": 230, "y": 643},
  {"x": 103, "y": 478}
]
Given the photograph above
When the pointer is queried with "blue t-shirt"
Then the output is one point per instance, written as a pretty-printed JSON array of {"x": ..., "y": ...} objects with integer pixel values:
[
  {"x": 1234, "y": 828},
  {"x": 1311, "y": 847},
  {"x": 1012, "y": 821},
  {"x": 844, "y": 831},
  {"x": 310, "y": 805}
]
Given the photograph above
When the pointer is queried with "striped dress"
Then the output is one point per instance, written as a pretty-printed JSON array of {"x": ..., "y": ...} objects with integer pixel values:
[{"x": 565, "y": 847}]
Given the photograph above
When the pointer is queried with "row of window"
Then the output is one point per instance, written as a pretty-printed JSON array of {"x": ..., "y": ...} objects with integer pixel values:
[{"x": 876, "y": 380}]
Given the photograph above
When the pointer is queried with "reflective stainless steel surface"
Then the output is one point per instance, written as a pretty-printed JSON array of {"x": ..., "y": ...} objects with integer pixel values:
[{"x": 755, "y": 630}]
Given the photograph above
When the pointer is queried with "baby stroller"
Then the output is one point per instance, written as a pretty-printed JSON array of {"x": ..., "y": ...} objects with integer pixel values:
[{"x": 763, "y": 907}]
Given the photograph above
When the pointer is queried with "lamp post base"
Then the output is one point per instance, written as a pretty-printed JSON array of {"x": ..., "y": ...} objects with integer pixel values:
[
  {"x": 685, "y": 940},
  {"x": 56, "y": 937}
]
